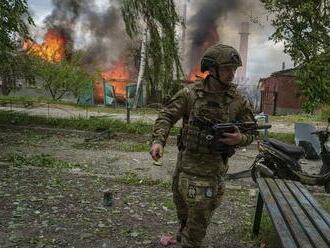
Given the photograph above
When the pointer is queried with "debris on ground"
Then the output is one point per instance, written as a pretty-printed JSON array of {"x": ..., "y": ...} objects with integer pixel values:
[{"x": 167, "y": 240}]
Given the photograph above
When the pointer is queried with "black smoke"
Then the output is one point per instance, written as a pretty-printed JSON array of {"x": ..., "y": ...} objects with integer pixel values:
[
  {"x": 204, "y": 24},
  {"x": 100, "y": 33}
]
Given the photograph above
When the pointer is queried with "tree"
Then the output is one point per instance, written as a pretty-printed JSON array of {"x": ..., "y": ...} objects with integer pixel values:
[
  {"x": 18, "y": 67},
  {"x": 14, "y": 21},
  {"x": 62, "y": 78},
  {"x": 303, "y": 27},
  {"x": 162, "y": 64},
  {"x": 314, "y": 81}
]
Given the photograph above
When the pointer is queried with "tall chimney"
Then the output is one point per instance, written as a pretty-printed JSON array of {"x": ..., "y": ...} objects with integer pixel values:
[{"x": 243, "y": 50}]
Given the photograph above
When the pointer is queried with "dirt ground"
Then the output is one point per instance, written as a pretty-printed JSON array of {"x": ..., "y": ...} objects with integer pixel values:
[{"x": 52, "y": 183}]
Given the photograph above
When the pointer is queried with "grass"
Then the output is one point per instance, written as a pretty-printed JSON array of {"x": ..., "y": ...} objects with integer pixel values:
[
  {"x": 40, "y": 160},
  {"x": 29, "y": 101},
  {"x": 169, "y": 204},
  {"x": 325, "y": 113},
  {"x": 285, "y": 137},
  {"x": 125, "y": 147},
  {"x": 131, "y": 178},
  {"x": 321, "y": 115},
  {"x": 91, "y": 124},
  {"x": 267, "y": 234}
]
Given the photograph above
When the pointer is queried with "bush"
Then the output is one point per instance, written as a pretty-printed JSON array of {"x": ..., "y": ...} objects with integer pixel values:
[
  {"x": 284, "y": 137},
  {"x": 325, "y": 113}
]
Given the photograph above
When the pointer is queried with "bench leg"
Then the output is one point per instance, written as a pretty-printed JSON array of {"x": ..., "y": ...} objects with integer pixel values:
[{"x": 257, "y": 216}]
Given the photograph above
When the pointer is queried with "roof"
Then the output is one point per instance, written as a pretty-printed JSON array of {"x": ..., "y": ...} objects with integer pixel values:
[{"x": 288, "y": 72}]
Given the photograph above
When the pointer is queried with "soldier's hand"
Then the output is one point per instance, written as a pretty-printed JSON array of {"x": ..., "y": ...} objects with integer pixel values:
[
  {"x": 156, "y": 151},
  {"x": 231, "y": 138}
]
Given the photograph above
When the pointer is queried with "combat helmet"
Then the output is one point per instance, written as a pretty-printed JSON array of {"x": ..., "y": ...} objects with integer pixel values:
[{"x": 220, "y": 55}]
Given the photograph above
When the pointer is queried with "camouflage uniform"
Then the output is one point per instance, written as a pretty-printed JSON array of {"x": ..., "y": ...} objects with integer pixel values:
[{"x": 198, "y": 179}]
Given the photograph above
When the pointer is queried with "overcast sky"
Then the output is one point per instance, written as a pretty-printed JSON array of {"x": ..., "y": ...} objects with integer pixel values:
[{"x": 264, "y": 57}]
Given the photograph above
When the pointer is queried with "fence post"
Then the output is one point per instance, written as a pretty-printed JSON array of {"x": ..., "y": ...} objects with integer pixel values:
[
  {"x": 47, "y": 109},
  {"x": 128, "y": 114}
]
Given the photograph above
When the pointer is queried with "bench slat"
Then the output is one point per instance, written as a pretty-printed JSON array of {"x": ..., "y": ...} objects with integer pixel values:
[
  {"x": 302, "y": 218},
  {"x": 276, "y": 217},
  {"x": 313, "y": 215},
  {"x": 324, "y": 214},
  {"x": 297, "y": 231}
]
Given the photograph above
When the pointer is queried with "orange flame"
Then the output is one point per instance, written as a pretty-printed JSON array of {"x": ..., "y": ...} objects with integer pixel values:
[
  {"x": 52, "y": 48},
  {"x": 196, "y": 74},
  {"x": 211, "y": 38},
  {"x": 118, "y": 76}
]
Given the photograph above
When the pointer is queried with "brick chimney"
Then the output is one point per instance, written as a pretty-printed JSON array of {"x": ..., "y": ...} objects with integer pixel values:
[{"x": 243, "y": 50}]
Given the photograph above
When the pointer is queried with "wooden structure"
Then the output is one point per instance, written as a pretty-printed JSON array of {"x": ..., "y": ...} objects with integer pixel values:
[
  {"x": 279, "y": 93},
  {"x": 298, "y": 218}
]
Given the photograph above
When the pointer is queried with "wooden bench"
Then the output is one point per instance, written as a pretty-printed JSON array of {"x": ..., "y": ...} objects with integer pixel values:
[{"x": 298, "y": 218}]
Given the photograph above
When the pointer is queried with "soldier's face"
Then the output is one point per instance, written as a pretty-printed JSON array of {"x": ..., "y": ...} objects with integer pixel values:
[{"x": 226, "y": 73}]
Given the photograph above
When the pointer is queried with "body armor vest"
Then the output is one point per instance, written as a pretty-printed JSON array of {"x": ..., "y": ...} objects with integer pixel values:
[
  {"x": 206, "y": 108},
  {"x": 196, "y": 155}
]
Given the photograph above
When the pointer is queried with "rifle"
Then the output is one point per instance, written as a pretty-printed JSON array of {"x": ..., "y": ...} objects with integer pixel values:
[{"x": 215, "y": 131}]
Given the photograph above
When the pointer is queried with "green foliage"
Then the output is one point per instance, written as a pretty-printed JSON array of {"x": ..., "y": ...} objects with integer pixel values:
[
  {"x": 14, "y": 21},
  {"x": 285, "y": 137},
  {"x": 314, "y": 81},
  {"x": 92, "y": 124},
  {"x": 40, "y": 160},
  {"x": 131, "y": 178},
  {"x": 63, "y": 77},
  {"x": 325, "y": 112},
  {"x": 26, "y": 100},
  {"x": 305, "y": 118},
  {"x": 303, "y": 27},
  {"x": 13, "y": 68},
  {"x": 169, "y": 204},
  {"x": 163, "y": 61},
  {"x": 267, "y": 236}
]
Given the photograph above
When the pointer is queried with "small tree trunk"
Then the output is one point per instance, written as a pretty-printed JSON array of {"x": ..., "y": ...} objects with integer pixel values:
[
  {"x": 142, "y": 65},
  {"x": 6, "y": 85}
]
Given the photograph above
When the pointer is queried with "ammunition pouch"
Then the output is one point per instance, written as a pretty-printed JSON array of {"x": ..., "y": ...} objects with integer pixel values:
[{"x": 196, "y": 139}]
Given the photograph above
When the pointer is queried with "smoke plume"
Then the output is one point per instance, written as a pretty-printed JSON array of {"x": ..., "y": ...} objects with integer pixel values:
[
  {"x": 98, "y": 31},
  {"x": 204, "y": 24},
  {"x": 213, "y": 21}
]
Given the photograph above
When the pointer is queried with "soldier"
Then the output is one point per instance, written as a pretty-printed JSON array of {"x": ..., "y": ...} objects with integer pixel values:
[{"x": 198, "y": 178}]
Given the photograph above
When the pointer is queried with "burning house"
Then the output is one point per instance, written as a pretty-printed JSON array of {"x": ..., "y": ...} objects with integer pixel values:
[
  {"x": 102, "y": 39},
  {"x": 55, "y": 46},
  {"x": 100, "y": 34},
  {"x": 118, "y": 77}
]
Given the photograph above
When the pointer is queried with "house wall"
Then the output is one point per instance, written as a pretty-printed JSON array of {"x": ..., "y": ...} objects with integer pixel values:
[{"x": 280, "y": 95}]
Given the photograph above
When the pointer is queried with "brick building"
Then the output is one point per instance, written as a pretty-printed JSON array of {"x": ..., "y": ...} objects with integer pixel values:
[{"x": 279, "y": 93}]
